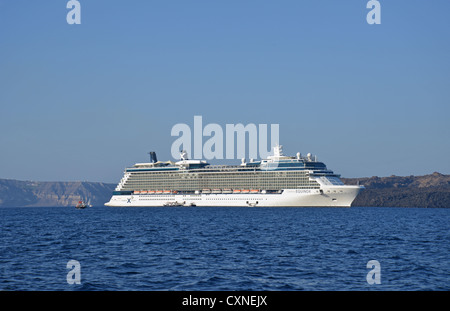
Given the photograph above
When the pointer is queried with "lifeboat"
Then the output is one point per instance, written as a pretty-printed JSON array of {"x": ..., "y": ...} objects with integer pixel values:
[
  {"x": 159, "y": 191},
  {"x": 151, "y": 192},
  {"x": 236, "y": 191},
  {"x": 254, "y": 191},
  {"x": 166, "y": 191},
  {"x": 245, "y": 191}
]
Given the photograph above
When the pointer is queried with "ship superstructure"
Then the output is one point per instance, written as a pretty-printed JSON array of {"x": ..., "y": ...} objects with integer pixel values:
[{"x": 278, "y": 180}]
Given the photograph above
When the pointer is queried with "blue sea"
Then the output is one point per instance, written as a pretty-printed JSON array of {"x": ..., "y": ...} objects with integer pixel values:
[{"x": 222, "y": 249}]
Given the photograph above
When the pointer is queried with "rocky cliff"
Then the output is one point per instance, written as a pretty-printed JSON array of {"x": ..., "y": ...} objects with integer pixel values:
[
  {"x": 32, "y": 193},
  {"x": 431, "y": 190}
]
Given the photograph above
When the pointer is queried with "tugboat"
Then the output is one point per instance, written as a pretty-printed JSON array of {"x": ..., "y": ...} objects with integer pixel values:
[{"x": 81, "y": 205}]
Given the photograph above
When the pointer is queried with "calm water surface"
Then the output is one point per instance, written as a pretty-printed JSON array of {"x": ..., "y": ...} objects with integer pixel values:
[{"x": 214, "y": 248}]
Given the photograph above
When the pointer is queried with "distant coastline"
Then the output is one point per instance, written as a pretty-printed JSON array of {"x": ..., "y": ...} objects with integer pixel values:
[
  {"x": 37, "y": 193},
  {"x": 431, "y": 190}
]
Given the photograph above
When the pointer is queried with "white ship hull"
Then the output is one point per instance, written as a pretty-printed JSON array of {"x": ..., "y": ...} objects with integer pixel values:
[{"x": 327, "y": 196}]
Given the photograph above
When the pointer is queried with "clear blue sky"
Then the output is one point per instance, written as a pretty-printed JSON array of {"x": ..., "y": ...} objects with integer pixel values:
[{"x": 82, "y": 102}]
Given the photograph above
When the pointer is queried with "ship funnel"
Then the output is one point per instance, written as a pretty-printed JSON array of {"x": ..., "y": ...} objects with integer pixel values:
[{"x": 153, "y": 158}]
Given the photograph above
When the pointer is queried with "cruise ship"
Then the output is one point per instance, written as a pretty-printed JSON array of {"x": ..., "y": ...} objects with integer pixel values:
[{"x": 278, "y": 181}]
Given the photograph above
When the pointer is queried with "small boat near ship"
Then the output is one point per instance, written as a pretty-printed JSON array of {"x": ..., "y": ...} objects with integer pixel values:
[
  {"x": 82, "y": 205},
  {"x": 173, "y": 204}
]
